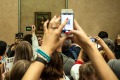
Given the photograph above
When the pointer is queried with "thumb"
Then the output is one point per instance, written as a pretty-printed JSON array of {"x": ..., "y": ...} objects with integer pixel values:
[{"x": 73, "y": 32}]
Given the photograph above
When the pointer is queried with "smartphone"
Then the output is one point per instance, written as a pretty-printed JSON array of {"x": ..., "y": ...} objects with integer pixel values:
[
  {"x": 93, "y": 39},
  {"x": 28, "y": 28},
  {"x": 67, "y": 13}
]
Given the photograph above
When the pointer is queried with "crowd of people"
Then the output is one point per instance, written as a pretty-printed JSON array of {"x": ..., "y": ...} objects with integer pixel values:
[{"x": 56, "y": 57}]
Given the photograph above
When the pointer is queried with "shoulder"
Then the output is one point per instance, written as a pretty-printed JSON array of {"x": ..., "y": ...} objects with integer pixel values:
[
  {"x": 115, "y": 66},
  {"x": 114, "y": 63},
  {"x": 69, "y": 59}
]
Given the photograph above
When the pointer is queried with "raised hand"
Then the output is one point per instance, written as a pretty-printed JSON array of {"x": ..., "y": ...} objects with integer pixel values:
[{"x": 51, "y": 38}]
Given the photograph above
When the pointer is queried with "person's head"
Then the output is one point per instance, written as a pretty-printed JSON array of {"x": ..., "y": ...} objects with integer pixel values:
[
  {"x": 87, "y": 72},
  {"x": 23, "y": 51},
  {"x": 17, "y": 40},
  {"x": 85, "y": 57},
  {"x": 54, "y": 69},
  {"x": 117, "y": 47},
  {"x": 43, "y": 18},
  {"x": 28, "y": 38},
  {"x": 18, "y": 70},
  {"x": 110, "y": 43},
  {"x": 11, "y": 50},
  {"x": 3, "y": 46},
  {"x": 66, "y": 45},
  {"x": 39, "y": 40},
  {"x": 103, "y": 34}
]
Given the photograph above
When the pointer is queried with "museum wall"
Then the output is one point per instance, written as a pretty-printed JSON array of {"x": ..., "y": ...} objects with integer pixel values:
[
  {"x": 92, "y": 15},
  {"x": 97, "y": 15},
  {"x": 8, "y": 20},
  {"x": 29, "y": 7}
]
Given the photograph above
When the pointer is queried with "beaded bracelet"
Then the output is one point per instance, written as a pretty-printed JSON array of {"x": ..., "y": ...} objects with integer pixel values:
[{"x": 44, "y": 55}]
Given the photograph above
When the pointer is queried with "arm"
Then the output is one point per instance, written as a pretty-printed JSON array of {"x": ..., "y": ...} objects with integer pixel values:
[
  {"x": 98, "y": 63},
  {"x": 34, "y": 42},
  {"x": 34, "y": 38},
  {"x": 51, "y": 36},
  {"x": 34, "y": 71},
  {"x": 118, "y": 39},
  {"x": 80, "y": 56},
  {"x": 107, "y": 50},
  {"x": 97, "y": 60}
]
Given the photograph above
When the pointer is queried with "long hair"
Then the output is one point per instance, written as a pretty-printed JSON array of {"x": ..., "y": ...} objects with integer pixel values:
[
  {"x": 54, "y": 69},
  {"x": 23, "y": 51},
  {"x": 18, "y": 70}
]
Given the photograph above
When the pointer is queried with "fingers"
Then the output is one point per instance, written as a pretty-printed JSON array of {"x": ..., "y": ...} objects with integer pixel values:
[
  {"x": 97, "y": 38},
  {"x": 118, "y": 36},
  {"x": 52, "y": 21},
  {"x": 33, "y": 27},
  {"x": 56, "y": 22},
  {"x": 73, "y": 32},
  {"x": 77, "y": 26},
  {"x": 63, "y": 24},
  {"x": 45, "y": 25}
]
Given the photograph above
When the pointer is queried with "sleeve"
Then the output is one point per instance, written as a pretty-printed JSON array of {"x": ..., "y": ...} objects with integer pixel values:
[
  {"x": 35, "y": 45},
  {"x": 75, "y": 71},
  {"x": 34, "y": 41},
  {"x": 114, "y": 64}
]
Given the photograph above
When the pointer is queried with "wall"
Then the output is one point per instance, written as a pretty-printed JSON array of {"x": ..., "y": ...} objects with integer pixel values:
[
  {"x": 28, "y": 7},
  {"x": 92, "y": 15},
  {"x": 97, "y": 15},
  {"x": 8, "y": 20}
]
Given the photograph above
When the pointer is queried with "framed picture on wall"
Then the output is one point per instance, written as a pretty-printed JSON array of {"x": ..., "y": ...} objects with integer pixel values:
[{"x": 40, "y": 18}]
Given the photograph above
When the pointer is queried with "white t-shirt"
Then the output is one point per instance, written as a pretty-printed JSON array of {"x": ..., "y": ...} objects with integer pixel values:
[
  {"x": 66, "y": 78},
  {"x": 75, "y": 71}
]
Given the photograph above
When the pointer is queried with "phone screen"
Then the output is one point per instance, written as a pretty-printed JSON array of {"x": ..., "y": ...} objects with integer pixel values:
[
  {"x": 69, "y": 25},
  {"x": 92, "y": 39}
]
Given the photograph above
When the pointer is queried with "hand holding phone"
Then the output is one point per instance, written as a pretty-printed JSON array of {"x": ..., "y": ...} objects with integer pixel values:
[{"x": 67, "y": 14}]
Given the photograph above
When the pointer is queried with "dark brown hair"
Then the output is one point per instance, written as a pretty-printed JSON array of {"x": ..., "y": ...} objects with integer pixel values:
[
  {"x": 85, "y": 57},
  {"x": 87, "y": 72},
  {"x": 0, "y": 72},
  {"x": 54, "y": 69},
  {"x": 18, "y": 70},
  {"x": 23, "y": 51}
]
